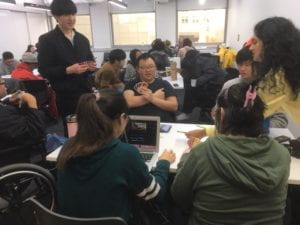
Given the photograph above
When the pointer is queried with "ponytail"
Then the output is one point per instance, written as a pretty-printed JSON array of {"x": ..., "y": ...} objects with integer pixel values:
[{"x": 94, "y": 130}]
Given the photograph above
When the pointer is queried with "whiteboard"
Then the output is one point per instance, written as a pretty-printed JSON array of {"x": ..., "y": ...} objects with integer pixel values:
[
  {"x": 37, "y": 24},
  {"x": 14, "y": 35}
]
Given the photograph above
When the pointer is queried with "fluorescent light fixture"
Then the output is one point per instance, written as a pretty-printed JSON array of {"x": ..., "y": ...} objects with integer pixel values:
[
  {"x": 36, "y": 6},
  {"x": 7, "y": 2},
  {"x": 202, "y": 2},
  {"x": 118, "y": 3}
]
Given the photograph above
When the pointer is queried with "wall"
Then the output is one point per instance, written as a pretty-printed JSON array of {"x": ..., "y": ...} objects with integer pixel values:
[
  {"x": 20, "y": 26},
  {"x": 243, "y": 15},
  {"x": 166, "y": 28},
  {"x": 193, "y": 4}
]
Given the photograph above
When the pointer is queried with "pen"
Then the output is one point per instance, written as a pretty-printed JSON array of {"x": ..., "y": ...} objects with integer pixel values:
[
  {"x": 6, "y": 97},
  {"x": 180, "y": 131}
]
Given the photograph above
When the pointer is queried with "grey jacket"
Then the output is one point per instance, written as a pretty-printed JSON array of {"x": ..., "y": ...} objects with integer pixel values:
[{"x": 7, "y": 69}]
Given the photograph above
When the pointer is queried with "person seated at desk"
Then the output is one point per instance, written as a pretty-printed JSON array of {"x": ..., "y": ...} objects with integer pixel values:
[
  {"x": 131, "y": 73},
  {"x": 187, "y": 46},
  {"x": 158, "y": 51},
  {"x": 149, "y": 95},
  {"x": 98, "y": 175},
  {"x": 22, "y": 128},
  {"x": 24, "y": 71},
  {"x": 108, "y": 75},
  {"x": 31, "y": 48},
  {"x": 239, "y": 176},
  {"x": 8, "y": 63}
]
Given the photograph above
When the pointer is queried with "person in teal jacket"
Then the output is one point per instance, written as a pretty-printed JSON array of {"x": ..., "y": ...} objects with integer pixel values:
[
  {"x": 98, "y": 175},
  {"x": 238, "y": 176}
]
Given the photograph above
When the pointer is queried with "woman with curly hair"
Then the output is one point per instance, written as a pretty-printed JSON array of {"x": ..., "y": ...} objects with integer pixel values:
[{"x": 276, "y": 48}]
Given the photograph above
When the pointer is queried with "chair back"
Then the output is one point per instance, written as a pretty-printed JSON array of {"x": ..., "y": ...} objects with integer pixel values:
[
  {"x": 45, "y": 216},
  {"x": 39, "y": 89}
]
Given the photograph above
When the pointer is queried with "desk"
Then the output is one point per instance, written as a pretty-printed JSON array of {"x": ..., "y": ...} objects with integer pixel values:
[
  {"x": 294, "y": 177},
  {"x": 178, "y": 143}
]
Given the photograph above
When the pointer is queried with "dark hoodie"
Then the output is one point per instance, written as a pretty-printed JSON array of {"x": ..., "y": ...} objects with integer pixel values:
[{"x": 234, "y": 180}]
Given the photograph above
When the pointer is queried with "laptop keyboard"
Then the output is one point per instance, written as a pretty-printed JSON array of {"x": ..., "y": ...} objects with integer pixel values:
[{"x": 147, "y": 156}]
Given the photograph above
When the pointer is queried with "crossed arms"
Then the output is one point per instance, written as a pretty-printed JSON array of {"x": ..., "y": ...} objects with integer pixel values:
[{"x": 157, "y": 98}]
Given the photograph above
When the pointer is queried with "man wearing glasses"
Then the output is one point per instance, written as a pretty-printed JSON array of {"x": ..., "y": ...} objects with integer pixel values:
[
  {"x": 148, "y": 95},
  {"x": 7, "y": 64}
]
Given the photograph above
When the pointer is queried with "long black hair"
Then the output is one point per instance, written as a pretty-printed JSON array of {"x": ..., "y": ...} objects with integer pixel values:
[
  {"x": 281, "y": 50},
  {"x": 132, "y": 56},
  {"x": 239, "y": 119}
]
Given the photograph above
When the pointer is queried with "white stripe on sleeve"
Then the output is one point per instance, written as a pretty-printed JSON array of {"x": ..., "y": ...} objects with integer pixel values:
[
  {"x": 148, "y": 189},
  {"x": 153, "y": 194}
]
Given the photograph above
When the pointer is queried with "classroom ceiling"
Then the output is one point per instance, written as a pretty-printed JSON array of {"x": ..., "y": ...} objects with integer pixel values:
[
  {"x": 88, "y": 1},
  {"x": 48, "y": 2}
]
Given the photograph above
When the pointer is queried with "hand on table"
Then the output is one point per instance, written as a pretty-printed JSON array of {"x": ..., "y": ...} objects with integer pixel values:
[
  {"x": 199, "y": 133},
  {"x": 168, "y": 155}
]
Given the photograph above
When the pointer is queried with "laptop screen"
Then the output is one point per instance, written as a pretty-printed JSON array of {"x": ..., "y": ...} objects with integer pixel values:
[{"x": 143, "y": 132}]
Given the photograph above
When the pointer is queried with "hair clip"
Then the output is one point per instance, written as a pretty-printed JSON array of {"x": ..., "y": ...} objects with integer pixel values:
[{"x": 250, "y": 96}]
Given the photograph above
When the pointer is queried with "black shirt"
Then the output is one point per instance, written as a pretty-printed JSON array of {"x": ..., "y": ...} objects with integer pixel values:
[{"x": 150, "y": 109}]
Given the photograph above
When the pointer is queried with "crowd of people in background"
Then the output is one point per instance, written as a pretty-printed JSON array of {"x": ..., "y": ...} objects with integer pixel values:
[{"x": 216, "y": 177}]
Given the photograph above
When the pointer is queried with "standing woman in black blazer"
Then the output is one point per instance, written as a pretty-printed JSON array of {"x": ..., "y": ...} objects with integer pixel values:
[{"x": 65, "y": 58}]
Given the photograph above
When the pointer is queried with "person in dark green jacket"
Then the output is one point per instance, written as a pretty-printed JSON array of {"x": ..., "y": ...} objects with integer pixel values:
[
  {"x": 98, "y": 175},
  {"x": 238, "y": 177}
]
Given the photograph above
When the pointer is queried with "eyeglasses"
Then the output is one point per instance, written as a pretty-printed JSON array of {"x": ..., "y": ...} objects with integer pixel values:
[
  {"x": 147, "y": 67},
  {"x": 2, "y": 83}
]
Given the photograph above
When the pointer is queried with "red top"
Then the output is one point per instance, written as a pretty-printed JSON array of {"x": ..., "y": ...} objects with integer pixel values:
[{"x": 23, "y": 72}]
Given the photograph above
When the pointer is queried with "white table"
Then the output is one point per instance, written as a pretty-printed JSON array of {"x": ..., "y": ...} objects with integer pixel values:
[
  {"x": 178, "y": 143},
  {"x": 171, "y": 140},
  {"x": 178, "y": 83},
  {"x": 294, "y": 177}
]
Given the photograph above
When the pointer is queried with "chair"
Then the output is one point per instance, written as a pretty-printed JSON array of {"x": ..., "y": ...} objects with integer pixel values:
[
  {"x": 45, "y": 216},
  {"x": 18, "y": 182},
  {"x": 39, "y": 89},
  {"x": 45, "y": 96},
  {"x": 23, "y": 153}
]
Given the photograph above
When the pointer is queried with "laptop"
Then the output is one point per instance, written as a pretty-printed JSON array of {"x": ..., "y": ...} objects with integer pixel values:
[{"x": 143, "y": 132}]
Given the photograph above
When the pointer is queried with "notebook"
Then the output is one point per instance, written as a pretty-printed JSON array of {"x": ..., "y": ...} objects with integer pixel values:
[{"x": 143, "y": 132}]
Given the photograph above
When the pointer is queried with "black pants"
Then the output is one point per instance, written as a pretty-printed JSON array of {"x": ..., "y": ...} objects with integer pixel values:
[{"x": 66, "y": 105}]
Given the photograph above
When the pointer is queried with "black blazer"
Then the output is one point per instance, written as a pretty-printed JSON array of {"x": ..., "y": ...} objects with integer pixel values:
[{"x": 56, "y": 53}]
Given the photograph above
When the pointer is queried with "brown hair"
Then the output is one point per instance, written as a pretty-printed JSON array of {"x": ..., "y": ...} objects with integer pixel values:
[{"x": 95, "y": 118}]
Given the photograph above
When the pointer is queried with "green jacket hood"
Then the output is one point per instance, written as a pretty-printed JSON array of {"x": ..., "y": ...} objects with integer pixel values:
[{"x": 249, "y": 162}]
